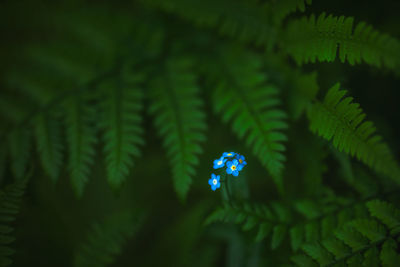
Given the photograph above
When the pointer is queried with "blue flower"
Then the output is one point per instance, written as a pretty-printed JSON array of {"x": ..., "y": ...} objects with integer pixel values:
[
  {"x": 233, "y": 167},
  {"x": 219, "y": 163},
  {"x": 241, "y": 159},
  {"x": 228, "y": 154},
  {"x": 214, "y": 182}
]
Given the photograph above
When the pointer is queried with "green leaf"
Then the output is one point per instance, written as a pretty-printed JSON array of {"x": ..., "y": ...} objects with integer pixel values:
[
  {"x": 327, "y": 37},
  {"x": 179, "y": 119},
  {"x": 351, "y": 238},
  {"x": 340, "y": 120},
  {"x": 296, "y": 237},
  {"x": 318, "y": 253},
  {"x": 303, "y": 261},
  {"x": 370, "y": 229},
  {"x": 312, "y": 230},
  {"x": 81, "y": 138},
  {"x": 120, "y": 107},
  {"x": 371, "y": 258},
  {"x": 385, "y": 212},
  {"x": 263, "y": 231},
  {"x": 336, "y": 247},
  {"x": 328, "y": 225},
  {"x": 278, "y": 235},
  {"x": 389, "y": 256},
  {"x": 49, "y": 144}
]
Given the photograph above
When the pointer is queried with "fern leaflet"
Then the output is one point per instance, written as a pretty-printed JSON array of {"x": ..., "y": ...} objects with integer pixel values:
[
  {"x": 339, "y": 119},
  {"x": 81, "y": 137},
  {"x": 311, "y": 39},
  {"x": 179, "y": 119},
  {"x": 49, "y": 143},
  {"x": 359, "y": 242},
  {"x": 268, "y": 221},
  {"x": 120, "y": 107}
]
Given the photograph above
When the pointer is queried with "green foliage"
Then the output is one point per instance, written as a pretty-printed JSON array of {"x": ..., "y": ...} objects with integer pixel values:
[
  {"x": 340, "y": 120},
  {"x": 120, "y": 106},
  {"x": 10, "y": 198},
  {"x": 104, "y": 241},
  {"x": 81, "y": 137},
  {"x": 309, "y": 224},
  {"x": 244, "y": 98},
  {"x": 385, "y": 212},
  {"x": 49, "y": 143},
  {"x": 320, "y": 39},
  {"x": 266, "y": 220},
  {"x": 179, "y": 119},
  {"x": 360, "y": 240}
]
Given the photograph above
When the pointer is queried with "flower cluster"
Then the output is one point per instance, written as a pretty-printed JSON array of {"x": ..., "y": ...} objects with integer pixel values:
[{"x": 233, "y": 162}]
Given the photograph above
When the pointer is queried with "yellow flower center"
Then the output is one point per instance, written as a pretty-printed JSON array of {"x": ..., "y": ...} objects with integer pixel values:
[
  {"x": 241, "y": 161},
  {"x": 215, "y": 181},
  {"x": 229, "y": 154},
  {"x": 220, "y": 162},
  {"x": 233, "y": 167}
]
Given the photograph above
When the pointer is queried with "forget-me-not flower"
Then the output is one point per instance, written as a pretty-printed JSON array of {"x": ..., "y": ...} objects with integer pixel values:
[
  {"x": 228, "y": 154},
  {"x": 214, "y": 182},
  {"x": 241, "y": 159},
  {"x": 233, "y": 167},
  {"x": 219, "y": 163}
]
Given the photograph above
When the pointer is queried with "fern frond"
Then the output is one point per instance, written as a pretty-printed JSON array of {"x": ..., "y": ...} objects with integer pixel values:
[
  {"x": 20, "y": 144},
  {"x": 120, "y": 107},
  {"x": 105, "y": 240},
  {"x": 266, "y": 220},
  {"x": 311, "y": 40},
  {"x": 340, "y": 120},
  {"x": 385, "y": 212},
  {"x": 366, "y": 242},
  {"x": 81, "y": 137},
  {"x": 49, "y": 143},
  {"x": 10, "y": 198},
  {"x": 179, "y": 119},
  {"x": 244, "y": 98}
]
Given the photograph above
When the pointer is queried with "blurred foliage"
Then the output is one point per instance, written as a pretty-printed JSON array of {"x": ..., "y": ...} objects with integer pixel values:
[{"x": 112, "y": 112}]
